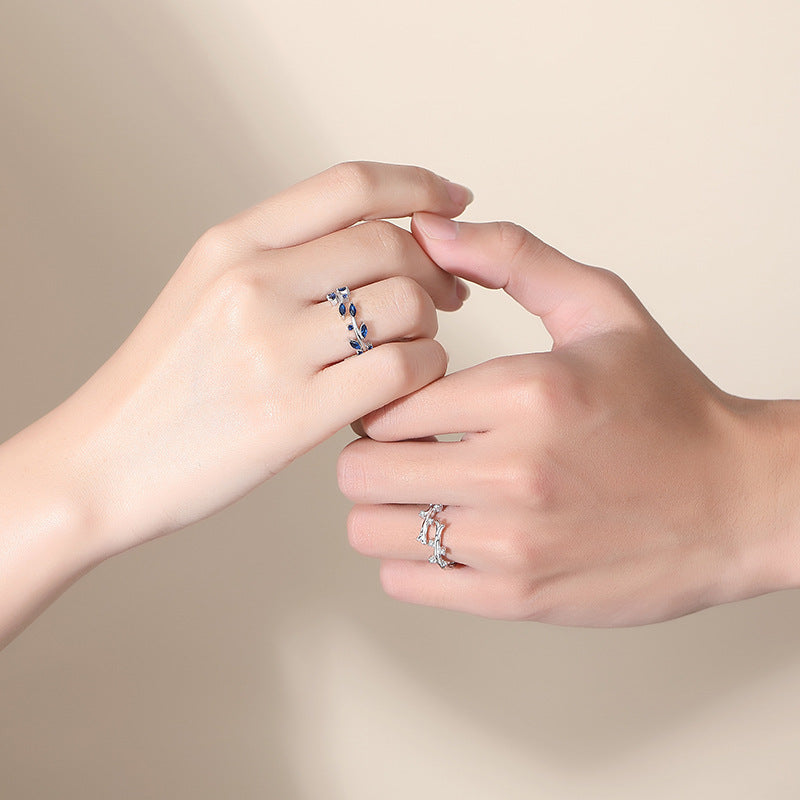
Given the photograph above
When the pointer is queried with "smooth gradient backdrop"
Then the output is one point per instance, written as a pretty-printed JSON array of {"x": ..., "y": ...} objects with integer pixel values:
[{"x": 254, "y": 655}]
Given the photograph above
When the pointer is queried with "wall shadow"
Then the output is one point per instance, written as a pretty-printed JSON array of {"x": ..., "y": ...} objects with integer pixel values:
[{"x": 119, "y": 147}]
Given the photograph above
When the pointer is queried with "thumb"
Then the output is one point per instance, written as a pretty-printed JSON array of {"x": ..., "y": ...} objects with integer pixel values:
[{"x": 574, "y": 300}]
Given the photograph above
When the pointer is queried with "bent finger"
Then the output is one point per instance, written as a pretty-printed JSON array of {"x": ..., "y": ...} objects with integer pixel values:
[
  {"x": 362, "y": 255},
  {"x": 392, "y": 310},
  {"x": 352, "y": 388},
  {"x": 472, "y": 400},
  {"x": 408, "y": 472},
  {"x": 461, "y": 589},
  {"x": 345, "y": 194},
  {"x": 489, "y": 541}
]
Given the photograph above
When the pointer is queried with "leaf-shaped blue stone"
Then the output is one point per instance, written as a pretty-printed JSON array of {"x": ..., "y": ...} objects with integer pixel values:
[
  {"x": 352, "y": 310},
  {"x": 342, "y": 309},
  {"x": 354, "y": 344},
  {"x": 363, "y": 330}
]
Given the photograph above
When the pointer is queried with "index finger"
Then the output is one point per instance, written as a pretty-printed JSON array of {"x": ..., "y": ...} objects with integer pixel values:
[
  {"x": 460, "y": 402},
  {"x": 345, "y": 194},
  {"x": 475, "y": 400}
]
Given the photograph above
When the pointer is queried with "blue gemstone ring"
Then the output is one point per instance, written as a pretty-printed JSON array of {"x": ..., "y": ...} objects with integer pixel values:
[{"x": 357, "y": 334}]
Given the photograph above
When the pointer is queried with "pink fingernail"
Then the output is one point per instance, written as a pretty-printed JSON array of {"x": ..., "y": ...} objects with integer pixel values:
[
  {"x": 435, "y": 227},
  {"x": 462, "y": 290},
  {"x": 459, "y": 194}
]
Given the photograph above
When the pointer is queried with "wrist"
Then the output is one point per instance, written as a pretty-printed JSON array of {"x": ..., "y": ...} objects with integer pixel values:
[
  {"x": 767, "y": 505},
  {"x": 47, "y": 533},
  {"x": 44, "y": 493}
]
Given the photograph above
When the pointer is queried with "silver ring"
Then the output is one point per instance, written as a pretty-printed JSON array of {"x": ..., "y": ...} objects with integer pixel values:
[
  {"x": 428, "y": 519},
  {"x": 357, "y": 334}
]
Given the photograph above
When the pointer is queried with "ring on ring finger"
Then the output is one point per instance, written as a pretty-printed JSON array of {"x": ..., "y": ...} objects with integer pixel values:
[{"x": 394, "y": 309}]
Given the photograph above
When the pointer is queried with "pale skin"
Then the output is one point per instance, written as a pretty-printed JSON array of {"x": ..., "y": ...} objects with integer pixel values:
[
  {"x": 240, "y": 366},
  {"x": 605, "y": 483}
]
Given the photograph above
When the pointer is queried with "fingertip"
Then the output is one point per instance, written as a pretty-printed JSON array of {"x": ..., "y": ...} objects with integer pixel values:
[
  {"x": 457, "y": 297},
  {"x": 341, "y": 470},
  {"x": 434, "y": 227},
  {"x": 441, "y": 359},
  {"x": 369, "y": 423},
  {"x": 350, "y": 475},
  {"x": 461, "y": 195},
  {"x": 445, "y": 358}
]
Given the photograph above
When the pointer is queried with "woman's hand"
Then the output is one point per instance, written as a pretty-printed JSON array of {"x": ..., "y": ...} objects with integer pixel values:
[
  {"x": 240, "y": 366},
  {"x": 606, "y": 483}
]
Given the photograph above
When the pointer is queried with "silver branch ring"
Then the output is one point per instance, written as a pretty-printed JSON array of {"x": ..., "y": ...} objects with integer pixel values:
[{"x": 435, "y": 541}]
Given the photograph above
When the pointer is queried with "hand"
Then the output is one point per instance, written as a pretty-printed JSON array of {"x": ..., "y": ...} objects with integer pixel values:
[
  {"x": 241, "y": 364},
  {"x": 605, "y": 483}
]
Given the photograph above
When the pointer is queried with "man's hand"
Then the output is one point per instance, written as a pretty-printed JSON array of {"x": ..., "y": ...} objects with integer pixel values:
[{"x": 605, "y": 483}]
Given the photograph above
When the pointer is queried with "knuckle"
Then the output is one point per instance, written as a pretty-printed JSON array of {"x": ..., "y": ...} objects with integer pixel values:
[
  {"x": 515, "y": 601},
  {"x": 230, "y": 312},
  {"x": 612, "y": 282},
  {"x": 428, "y": 184},
  {"x": 534, "y": 601},
  {"x": 537, "y": 395},
  {"x": 357, "y": 178},
  {"x": 386, "y": 237},
  {"x": 235, "y": 293},
  {"x": 515, "y": 551},
  {"x": 514, "y": 240},
  {"x": 217, "y": 244},
  {"x": 537, "y": 386},
  {"x": 404, "y": 368},
  {"x": 518, "y": 246},
  {"x": 622, "y": 298},
  {"x": 409, "y": 300},
  {"x": 522, "y": 481},
  {"x": 397, "y": 367},
  {"x": 524, "y": 599},
  {"x": 525, "y": 394},
  {"x": 238, "y": 284}
]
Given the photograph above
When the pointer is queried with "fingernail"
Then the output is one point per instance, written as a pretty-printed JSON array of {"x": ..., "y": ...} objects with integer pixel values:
[
  {"x": 462, "y": 290},
  {"x": 435, "y": 227},
  {"x": 459, "y": 194}
]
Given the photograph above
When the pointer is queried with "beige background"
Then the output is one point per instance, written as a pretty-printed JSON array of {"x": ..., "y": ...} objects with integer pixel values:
[{"x": 254, "y": 655}]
